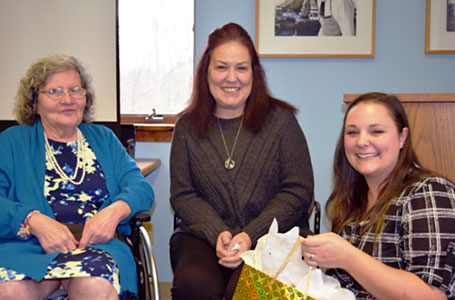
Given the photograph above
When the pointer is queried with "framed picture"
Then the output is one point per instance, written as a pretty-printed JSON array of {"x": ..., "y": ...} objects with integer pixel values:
[
  {"x": 315, "y": 28},
  {"x": 440, "y": 26}
]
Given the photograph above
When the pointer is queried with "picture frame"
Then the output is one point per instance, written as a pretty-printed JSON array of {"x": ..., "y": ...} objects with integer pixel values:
[
  {"x": 440, "y": 27},
  {"x": 283, "y": 29}
]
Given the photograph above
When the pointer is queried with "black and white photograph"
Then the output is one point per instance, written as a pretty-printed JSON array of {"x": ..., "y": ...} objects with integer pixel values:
[
  {"x": 315, "y": 28},
  {"x": 451, "y": 15},
  {"x": 440, "y": 27},
  {"x": 316, "y": 18}
]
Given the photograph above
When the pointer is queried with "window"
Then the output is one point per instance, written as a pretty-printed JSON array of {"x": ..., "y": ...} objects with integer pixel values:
[{"x": 156, "y": 49}]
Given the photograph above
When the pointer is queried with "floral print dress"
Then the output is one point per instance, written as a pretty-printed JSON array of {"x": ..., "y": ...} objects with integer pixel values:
[{"x": 74, "y": 204}]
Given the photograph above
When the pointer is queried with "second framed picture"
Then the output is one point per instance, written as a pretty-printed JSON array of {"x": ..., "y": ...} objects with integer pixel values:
[
  {"x": 315, "y": 28},
  {"x": 440, "y": 27}
]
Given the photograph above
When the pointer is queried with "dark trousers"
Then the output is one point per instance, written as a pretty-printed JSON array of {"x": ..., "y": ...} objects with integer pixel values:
[{"x": 197, "y": 273}]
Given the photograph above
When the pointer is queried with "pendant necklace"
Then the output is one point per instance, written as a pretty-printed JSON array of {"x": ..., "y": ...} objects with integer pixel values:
[{"x": 229, "y": 163}]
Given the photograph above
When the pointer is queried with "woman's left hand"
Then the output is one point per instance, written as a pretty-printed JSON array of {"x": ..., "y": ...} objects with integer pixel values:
[
  {"x": 326, "y": 250},
  {"x": 102, "y": 226},
  {"x": 237, "y": 245}
]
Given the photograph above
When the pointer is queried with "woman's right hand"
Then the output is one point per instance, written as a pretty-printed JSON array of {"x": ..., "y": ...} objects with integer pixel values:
[
  {"x": 222, "y": 245},
  {"x": 53, "y": 236}
]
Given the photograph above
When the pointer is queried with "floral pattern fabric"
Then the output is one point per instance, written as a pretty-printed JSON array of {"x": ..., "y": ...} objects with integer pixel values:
[
  {"x": 74, "y": 204},
  {"x": 71, "y": 203}
]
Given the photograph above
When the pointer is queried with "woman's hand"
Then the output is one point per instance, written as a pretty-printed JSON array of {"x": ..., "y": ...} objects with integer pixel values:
[
  {"x": 53, "y": 236},
  {"x": 327, "y": 250},
  {"x": 382, "y": 281},
  {"x": 101, "y": 227},
  {"x": 222, "y": 244},
  {"x": 228, "y": 249}
]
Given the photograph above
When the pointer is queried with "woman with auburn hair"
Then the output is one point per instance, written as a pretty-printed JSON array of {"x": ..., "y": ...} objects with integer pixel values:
[
  {"x": 238, "y": 159},
  {"x": 392, "y": 220}
]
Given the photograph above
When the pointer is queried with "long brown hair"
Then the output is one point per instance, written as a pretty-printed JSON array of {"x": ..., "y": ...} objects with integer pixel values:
[
  {"x": 348, "y": 200},
  {"x": 259, "y": 103}
]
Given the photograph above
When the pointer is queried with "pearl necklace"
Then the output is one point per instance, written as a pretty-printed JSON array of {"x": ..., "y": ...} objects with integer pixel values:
[{"x": 80, "y": 160}]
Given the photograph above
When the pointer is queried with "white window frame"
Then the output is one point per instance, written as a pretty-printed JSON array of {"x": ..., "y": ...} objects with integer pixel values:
[{"x": 155, "y": 71}]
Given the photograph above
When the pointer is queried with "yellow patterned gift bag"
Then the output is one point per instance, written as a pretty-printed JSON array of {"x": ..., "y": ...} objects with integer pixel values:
[{"x": 254, "y": 284}]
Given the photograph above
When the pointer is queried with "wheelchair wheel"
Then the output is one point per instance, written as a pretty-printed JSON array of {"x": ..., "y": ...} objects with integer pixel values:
[{"x": 148, "y": 274}]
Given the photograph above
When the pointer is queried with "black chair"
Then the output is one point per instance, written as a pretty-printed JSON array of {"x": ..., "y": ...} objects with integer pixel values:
[
  {"x": 316, "y": 211},
  {"x": 141, "y": 247}
]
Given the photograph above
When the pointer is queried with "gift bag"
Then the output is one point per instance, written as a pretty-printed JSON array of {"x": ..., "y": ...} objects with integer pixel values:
[
  {"x": 275, "y": 270},
  {"x": 254, "y": 284}
]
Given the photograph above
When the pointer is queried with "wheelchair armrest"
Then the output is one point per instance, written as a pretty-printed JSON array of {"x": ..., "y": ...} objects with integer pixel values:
[
  {"x": 135, "y": 224},
  {"x": 139, "y": 218}
]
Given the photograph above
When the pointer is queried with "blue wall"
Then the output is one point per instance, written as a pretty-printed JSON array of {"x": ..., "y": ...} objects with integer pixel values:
[{"x": 316, "y": 86}]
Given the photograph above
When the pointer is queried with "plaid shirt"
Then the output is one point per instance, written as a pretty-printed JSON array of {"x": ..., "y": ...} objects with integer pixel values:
[{"x": 418, "y": 237}]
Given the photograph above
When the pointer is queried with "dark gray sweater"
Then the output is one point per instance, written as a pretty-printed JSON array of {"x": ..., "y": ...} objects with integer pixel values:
[{"x": 272, "y": 178}]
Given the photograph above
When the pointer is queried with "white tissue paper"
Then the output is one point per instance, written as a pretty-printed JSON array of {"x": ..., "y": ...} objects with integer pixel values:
[{"x": 273, "y": 248}]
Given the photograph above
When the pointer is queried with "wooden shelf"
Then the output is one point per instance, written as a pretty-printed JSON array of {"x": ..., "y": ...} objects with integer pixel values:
[
  {"x": 147, "y": 165},
  {"x": 414, "y": 97}
]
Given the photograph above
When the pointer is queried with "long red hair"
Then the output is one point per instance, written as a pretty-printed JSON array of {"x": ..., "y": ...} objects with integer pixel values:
[{"x": 259, "y": 103}]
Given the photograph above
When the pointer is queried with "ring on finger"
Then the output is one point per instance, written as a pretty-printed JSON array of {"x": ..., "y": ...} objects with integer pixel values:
[{"x": 311, "y": 258}]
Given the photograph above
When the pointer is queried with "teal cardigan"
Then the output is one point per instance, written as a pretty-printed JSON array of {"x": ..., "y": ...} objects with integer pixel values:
[{"x": 22, "y": 170}]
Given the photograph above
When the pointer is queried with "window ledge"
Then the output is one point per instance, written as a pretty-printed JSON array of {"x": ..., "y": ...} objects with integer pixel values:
[{"x": 151, "y": 128}]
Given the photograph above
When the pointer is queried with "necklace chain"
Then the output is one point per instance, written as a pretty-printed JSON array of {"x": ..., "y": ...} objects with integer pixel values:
[
  {"x": 80, "y": 160},
  {"x": 229, "y": 163}
]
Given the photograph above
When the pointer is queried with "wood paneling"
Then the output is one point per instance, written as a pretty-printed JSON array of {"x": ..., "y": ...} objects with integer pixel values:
[
  {"x": 160, "y": 133},
  {"x": 432, "y": 121}
]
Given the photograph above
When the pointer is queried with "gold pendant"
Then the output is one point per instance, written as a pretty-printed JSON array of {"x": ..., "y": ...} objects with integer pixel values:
[{"x": 229, "y": 164}]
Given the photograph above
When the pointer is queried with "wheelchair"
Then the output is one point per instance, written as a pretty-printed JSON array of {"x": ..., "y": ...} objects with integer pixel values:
[{"x": 141, "y": 247}]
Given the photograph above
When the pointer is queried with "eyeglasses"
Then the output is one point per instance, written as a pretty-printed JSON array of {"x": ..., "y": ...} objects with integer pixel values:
[{"x": 58, "y": 93}]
